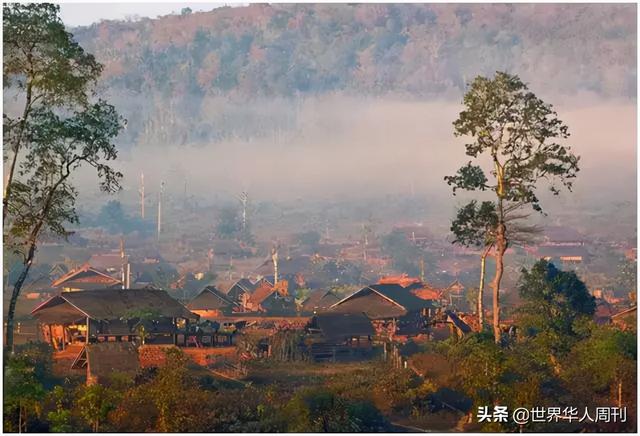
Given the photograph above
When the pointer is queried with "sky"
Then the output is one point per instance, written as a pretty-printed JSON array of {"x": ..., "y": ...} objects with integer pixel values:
[{"x": 84, "y": 14}]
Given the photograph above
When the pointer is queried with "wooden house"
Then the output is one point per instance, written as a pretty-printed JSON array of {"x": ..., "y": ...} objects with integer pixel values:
[
  {"x": 319, "y": 300},
  {"x": 112, "y": 314},
  {"x": 394, "y": 309},
  {"x": 340, "y": 336},
  {"x": 241, "y": 290},
  {"x": 211, "y": 303},
  {"x": 272, "y": 299}
]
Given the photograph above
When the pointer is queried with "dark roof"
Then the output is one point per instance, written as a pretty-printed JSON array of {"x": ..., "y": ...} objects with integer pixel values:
[
  {"x": 339, "y": 327},
  {"x": 245, "y": 284},
  {"x": 319, "y": 299},
  {"x": 145, "y": 277},
  {"x": 382, "y": 301},
  {"x": 108, "y": 357},
  {"x": 402, "y": 296},
  {"x": 242, "y": 286},
  {"x": 87, "y": 286},
  {"x": 110, "y": 304},
  {"x": 209, "y": 299}
]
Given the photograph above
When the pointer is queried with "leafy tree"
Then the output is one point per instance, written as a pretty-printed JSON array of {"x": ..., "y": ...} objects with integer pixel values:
[
  {"x": 402, "y": 251},
  {"x": 480, "y": 366},
  {"x": 46, "y": 66},
  {"x": 320, "y": 410},
  {"x": 59, "y": 418},
  {"x": 475, "y": 226},
  {"x": 517, "y": 132},
  {"x": 553, "y": 302},
  {"x": 602, "y": 368},
  {"x": 175, "y": 395},
  {"x": 61, "y": 138},
  {"x": 94, "y": 404},
  {"x": 23, "y": 392},
  {"x": 228, "y": 222},
  {"x": 115, "y": 220}
]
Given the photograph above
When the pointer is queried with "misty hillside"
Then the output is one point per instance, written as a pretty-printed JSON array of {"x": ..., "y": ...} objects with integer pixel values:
[{"x": 187, "y": 78}]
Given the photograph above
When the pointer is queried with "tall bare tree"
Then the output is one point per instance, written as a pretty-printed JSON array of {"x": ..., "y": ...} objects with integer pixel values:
[
  {"x": 475, "y": 225},
  {"x": 517, "y": 134}
]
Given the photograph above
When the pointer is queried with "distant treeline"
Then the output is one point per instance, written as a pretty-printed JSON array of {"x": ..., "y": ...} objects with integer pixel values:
[{"x": 178, "y": 66}]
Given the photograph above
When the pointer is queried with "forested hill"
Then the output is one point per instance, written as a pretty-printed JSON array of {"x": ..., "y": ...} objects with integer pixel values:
[{"x": 412, "y": 49}]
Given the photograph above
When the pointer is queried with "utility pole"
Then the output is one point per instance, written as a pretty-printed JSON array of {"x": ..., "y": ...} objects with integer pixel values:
[
  {"x": 274, "y": 258},
  {"x": 122, "y": 264},
  {"x": 141, "y": 191},
  {"x": 160, "y": 209},
  {"x": 244, "y": 199},
  {"x": 366, "y": 241}
]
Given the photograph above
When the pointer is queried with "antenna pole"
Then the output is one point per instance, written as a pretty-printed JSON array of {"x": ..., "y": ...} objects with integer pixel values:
[
  {"x": 160, "y": 209},
  {"x": 142, "y": 194}
]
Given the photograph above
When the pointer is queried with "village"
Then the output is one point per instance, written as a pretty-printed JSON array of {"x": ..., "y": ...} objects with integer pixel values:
[
  {"x": 319, "y": 218},
  {"x": 335, "y": 301}
]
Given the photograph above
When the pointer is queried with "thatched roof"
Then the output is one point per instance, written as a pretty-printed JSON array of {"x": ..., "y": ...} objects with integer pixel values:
[
  {"x": 382, "y": 301},
  {"x": 109, "y": 304}
]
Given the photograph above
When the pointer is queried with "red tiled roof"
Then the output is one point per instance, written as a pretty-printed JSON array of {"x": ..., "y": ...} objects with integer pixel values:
[
  {"x": 402, "y": 280},
  {"x": 427, "y": 293},
  {"x": 86, "y": 268}
]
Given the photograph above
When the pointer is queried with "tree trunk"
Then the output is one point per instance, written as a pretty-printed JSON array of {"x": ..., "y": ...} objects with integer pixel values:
[
  {"x": 16, "y": 149},
  {"x": 501, "y": 247},
  {"x": 32, "y": 240},
  {"x": 17, "y": 287},
  {"x": 483, "y": 260}
]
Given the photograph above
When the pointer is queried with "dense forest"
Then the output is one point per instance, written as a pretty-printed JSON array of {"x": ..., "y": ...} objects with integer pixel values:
[{"x": 186, "y": 78}]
